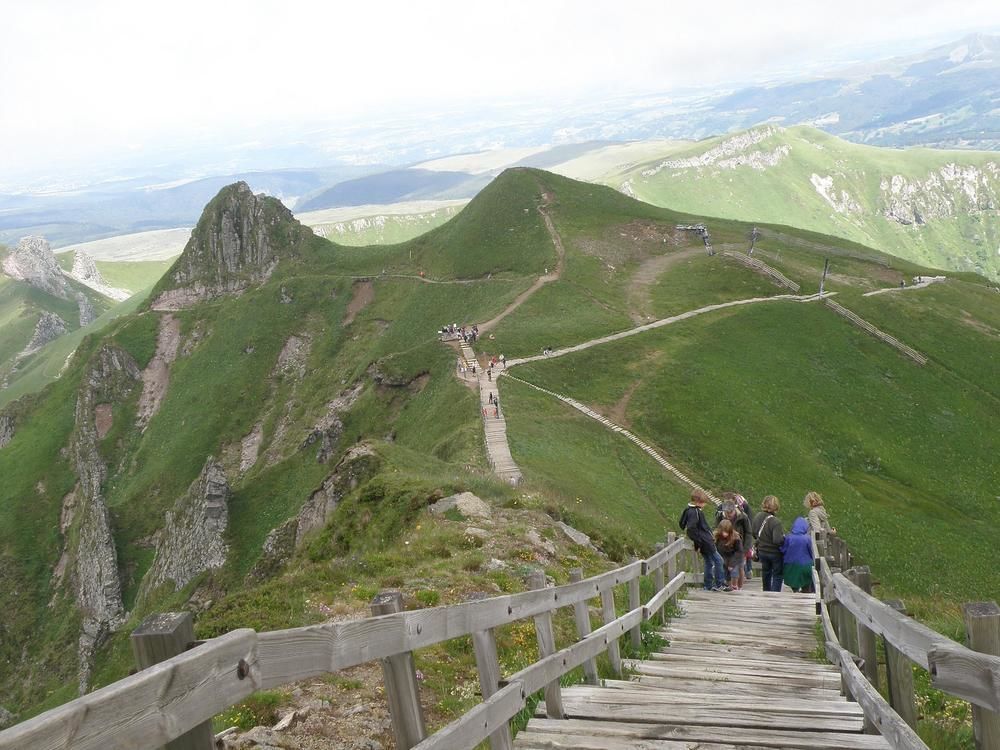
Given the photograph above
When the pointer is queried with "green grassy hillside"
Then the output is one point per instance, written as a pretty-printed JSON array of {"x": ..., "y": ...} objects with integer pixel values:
[
  {"x": 938, "y": 208},
  {"x": 330, "y": 353}
]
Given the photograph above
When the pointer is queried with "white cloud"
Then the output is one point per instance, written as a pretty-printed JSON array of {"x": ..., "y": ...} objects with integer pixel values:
[{"x": 82, "y": 78}]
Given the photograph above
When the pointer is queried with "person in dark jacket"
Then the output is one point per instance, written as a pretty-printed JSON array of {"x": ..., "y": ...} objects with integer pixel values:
[
  {"x": 695, "y": 525},
  {"x": 797, "y": 557},
  {"x": 728, "y": 511},
  {"x": 769, "y": 534},
  {"x": 730, "y": 546}
]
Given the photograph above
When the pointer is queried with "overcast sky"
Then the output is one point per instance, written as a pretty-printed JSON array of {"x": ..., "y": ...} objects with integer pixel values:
[{"x": 78, "y": 78}]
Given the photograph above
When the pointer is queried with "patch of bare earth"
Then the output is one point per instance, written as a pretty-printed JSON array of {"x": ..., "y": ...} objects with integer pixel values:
[
  {"x": 362, "y": 295},
  {"x": 103, "y": 420},
  {"x": 617, "y": 412},
  {"x": 156, "y": 376},
  {"x": 640, "y": 302},
  {"x": 978, "y": 325}
]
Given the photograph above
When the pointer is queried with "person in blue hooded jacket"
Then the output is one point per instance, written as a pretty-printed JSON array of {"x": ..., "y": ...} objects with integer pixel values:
[{"x": 798, "y": 559}]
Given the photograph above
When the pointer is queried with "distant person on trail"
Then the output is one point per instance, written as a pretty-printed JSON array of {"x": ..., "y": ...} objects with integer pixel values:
[
  {"x": 819, "y": 521},
  {"x": 695, "y": 525},
  {"x": 797, "y": 562},
  {"x": 729, "y": 544},
  {"x": 769, "y": 534},
  {"x": 740, "y": 521}
]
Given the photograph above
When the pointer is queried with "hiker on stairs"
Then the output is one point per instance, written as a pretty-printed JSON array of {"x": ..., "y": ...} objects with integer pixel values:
[
  {"x": 695, "y": 525},
  {"x": 770, "y": 535},
  {"x": 741, "y": 524}
]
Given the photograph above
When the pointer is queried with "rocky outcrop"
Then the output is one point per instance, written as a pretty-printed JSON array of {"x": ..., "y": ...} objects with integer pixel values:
[
  {"x": 946, "y": 192},
  {"x": 192, "y": 540},
  {"x": 327, "y": 431},
  {"x": 731, "y": 153},
  {"x": 237, "y": 243},
  {"x": 32, "y": 261},
  {"x": 6, "y": 429},
  {"x": 86, "y": 272},
  {"x": 358, "y": 465},
  {"x": 110, "y": 378},
  {"x": 48, "y": 328},
  {"x": 6, "y": 717},
  {"x": 842, "y": 202},
  {"x": 85, "y": 309},
  {"x": 156, "y": 376}
]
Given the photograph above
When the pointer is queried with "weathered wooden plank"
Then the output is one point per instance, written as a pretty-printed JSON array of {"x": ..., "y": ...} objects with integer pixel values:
[
  {"x": 535, "y": 676},
  {"x": 635, "y": 634},
  {"x": 546, "y": 647},
  {"x": 747, "y": 737},
  {"x": 655, "y": 604},
  {"x": 400, "y": 678},
  {"x": 484, "y": 645},
  {"x": 663, "y": 556},
  {"x": 899, "y": 676},
  {"x": 757, "y": 716},
  {"x": 734, "y": 677},
  {"x": 608, "y": 614},
  {"x": 298, "y": 653},
  {"x": 581, "y": 614},
  {"x": 747, "y": 691},
  {"x": 638, "y": 697},
  {"x": 480, "y": 722},
  {"x": 909, "y": 636},
  {"x": 966, "y": 674},
  {"x": 151, "y": 707},
  {"x": 898, "y": 733},
  {"x": 735, "y": 663},
  {"x": 982, "y": 626}
]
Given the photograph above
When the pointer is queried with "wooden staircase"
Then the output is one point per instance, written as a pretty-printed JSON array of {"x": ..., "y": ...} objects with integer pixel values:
[
  {"x": 739, "y": 671},
  {"x": 494, "y": 423}
]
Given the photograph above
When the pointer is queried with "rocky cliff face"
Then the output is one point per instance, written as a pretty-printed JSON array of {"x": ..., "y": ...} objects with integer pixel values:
[
  {"x": 32, "y": 261},
  {"x": 6, "y": 429},
  {"x": 359, "y": 464},
  {"x": 48, "y": 328},
  {"x": 943, "y": 193},
  {"x": 86, "y": 272},
  {"x": 238, "y": 242},
  {"x": 110, "y": 379},
  {"x": 192, "y": 540}
]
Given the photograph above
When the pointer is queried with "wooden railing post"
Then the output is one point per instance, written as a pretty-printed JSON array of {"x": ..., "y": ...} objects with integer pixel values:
[
  {"x": 982, "y": 626},
  {"x": 581, "y": 613},
  {"x": 608, "y": 614},
  {"x": 658, "y": 583},
  {"x": 546, "y": 647},
  {"x": 484, "y": 644},
  {"x": 400, "y": 682},
  {"x": 635, "y": 634},
  {"x": 867, "y": 649},
  {"x": 899, "y": 675},
  {"x": 671, "y": 572},
  {"x": 158, "y": 638}
]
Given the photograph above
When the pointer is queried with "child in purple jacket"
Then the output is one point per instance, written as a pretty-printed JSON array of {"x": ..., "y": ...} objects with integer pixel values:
[{"x": 798, "y": 559}]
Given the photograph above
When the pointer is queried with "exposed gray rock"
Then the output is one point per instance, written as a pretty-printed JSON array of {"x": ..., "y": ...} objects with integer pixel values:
[
  {"x": 192, "y": 540},
  {"x": 250, "y": 447},
  {"x": 576, "y": 536},
  {"x": 32, "y": 261},
  {"x": 86, "y": 310},
  {"x": 237, "y": 244},
  {"x": 538, "y": 541},
  {"x": 6, "y": 429},
  {"x": 477, "y": 533},
  {"x": 110, "y": 378},
  {"x": 357, "y": 466},
  {"x": 466, "y": 503},
  {"x": 86, "y": 272},
  {"x": 261, "y": 738},
  {"x": 48, "y": 328},
  {"x": 286, "y": 722},
  {"x": 6, "y": 717},
  {"x": 330, "y": 427}
]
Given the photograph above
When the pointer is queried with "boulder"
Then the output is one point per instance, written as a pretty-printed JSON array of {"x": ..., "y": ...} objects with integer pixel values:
[
  {"x": 465, "y": 503},
  {"x": 576, "y": 536}
]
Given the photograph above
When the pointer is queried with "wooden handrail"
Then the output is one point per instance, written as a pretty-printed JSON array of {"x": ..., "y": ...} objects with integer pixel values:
[{"x": 163, "y": 702}]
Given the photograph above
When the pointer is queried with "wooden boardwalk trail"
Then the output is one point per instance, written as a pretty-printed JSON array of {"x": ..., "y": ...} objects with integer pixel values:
[
  {"x": 738, "y": 671},
  {"x": 494, "y": 423}
]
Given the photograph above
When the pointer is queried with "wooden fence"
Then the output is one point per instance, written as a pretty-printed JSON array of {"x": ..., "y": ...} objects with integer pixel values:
[
  {"x": 177, "y": 696},
  {"x": 852, "y": 619},
  {"x": 878, "y": 333},
  {"x": 761, "y": 267}
]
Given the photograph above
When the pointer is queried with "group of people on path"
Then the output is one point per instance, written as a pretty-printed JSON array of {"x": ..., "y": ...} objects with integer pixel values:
[
  {"x": 468, "y": 334},
  {"x": 739, "y": 539}
]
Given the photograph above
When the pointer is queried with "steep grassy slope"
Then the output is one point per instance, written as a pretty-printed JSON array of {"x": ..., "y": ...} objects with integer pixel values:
[
  {"x": 938, "y": 208},
  {"x": 328, "y": 355}
]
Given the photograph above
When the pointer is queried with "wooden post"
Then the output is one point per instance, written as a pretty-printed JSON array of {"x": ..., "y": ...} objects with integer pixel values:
[
  {"x": 400, "y": 682},
  {"x": 158, "y": 638},
  {"x": 608, "y": 613},
  {"x": 658, "y": 583},
  {"x": 546, "y": 647},
  {"x": 671, "y": 573},
  {"x": 635, "y": 634},
  {"x": 899, "y": 675},
  {"x": 581, "y": 613},
  {"x": 484, "y": 643},
  {"x": 867, "y": 649},
  {"x": 982, "y": 627}
]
